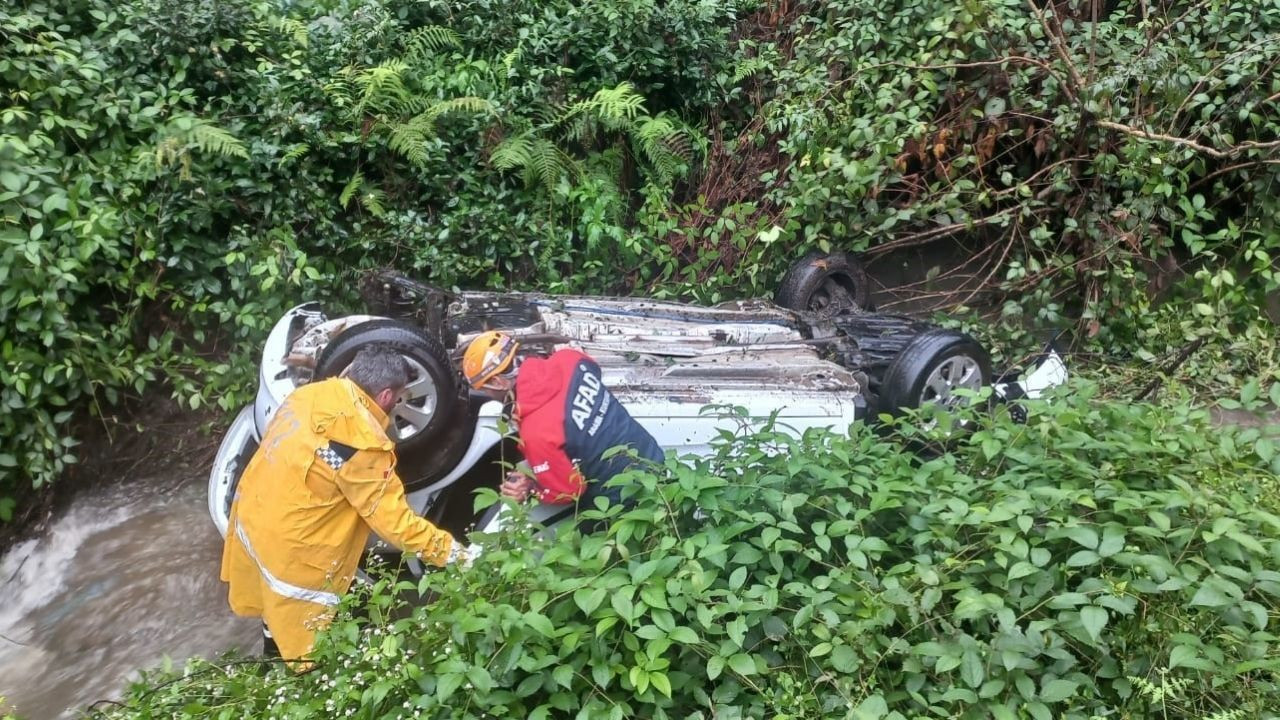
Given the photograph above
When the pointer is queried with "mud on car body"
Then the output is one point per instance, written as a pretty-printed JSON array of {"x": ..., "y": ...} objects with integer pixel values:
[{"x": 815, "y": 356}]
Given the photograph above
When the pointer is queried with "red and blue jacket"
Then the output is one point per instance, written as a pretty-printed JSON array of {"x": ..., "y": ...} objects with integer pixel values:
[{"x": 567, "y": 419}]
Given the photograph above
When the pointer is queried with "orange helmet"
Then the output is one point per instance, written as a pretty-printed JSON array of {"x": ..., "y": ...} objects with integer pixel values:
[{"x": 489, "y": 354}]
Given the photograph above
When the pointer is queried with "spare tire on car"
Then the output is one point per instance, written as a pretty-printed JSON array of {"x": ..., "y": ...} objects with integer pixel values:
[
  {"x": 932, "y": 366},
  {"x": 825, "y": 283},
  {"x": 427, "y": 409}
]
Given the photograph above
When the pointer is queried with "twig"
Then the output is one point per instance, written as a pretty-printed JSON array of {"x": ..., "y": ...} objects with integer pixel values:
[
  {"x": 1185, "y": 353},
  {"x": 1130, "y": 130},
  {"x": 1229, "y": 168},
  {"x": 928, "y": 236},
  {"x": 1061, "y": 48}
]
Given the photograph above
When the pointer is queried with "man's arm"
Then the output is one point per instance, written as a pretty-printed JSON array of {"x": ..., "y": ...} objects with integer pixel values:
[
  {"x": 369, "y": 482},
  {"x": 558, "y": 478}
]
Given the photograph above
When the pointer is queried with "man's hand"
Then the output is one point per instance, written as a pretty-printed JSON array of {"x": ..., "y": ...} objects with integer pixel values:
[
  {"x": 517, "y": 486},
  {"x": 463, "y": 555}
]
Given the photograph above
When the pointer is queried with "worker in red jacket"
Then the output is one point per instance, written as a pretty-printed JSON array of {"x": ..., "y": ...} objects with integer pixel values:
[{"x": 566, "y": 420}]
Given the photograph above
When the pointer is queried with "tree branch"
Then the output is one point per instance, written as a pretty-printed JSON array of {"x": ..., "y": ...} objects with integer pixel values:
[{"x": 1228, "y": 153}]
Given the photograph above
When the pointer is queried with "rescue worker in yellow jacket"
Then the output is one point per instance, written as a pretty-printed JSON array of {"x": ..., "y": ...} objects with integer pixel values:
[{"x": 322, "y": 478}]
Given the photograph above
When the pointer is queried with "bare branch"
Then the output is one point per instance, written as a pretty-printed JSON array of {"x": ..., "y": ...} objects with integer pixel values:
[{"x": 1056, "y": 39}]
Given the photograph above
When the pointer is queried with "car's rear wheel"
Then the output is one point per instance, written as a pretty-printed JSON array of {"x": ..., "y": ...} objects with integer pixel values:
[
  {"x": 434, "y": 398},
  {"x": 825, "y": 283},
  {"x": 931, "y": 368}
]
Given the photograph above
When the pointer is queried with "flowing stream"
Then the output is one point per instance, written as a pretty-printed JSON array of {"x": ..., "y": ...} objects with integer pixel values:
[{"x": 126, "y": 576}]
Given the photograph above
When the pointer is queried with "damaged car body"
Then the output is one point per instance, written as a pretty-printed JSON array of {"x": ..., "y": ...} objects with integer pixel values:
[{"x": 815, "y": 357}]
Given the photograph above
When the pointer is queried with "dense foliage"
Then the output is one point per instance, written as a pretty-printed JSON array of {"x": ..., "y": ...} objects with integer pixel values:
[
  {"x": 174, "y": 174},
  {"x": 1104, "y": 560}
]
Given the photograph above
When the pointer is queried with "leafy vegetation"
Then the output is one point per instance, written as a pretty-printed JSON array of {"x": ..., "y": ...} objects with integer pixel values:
[
  {"x": 176, "y": 173},
  {"x": 1104, "y": 560}
]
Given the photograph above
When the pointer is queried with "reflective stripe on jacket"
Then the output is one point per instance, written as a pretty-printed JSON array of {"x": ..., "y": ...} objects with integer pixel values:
[{"x": 322, "y": 478}]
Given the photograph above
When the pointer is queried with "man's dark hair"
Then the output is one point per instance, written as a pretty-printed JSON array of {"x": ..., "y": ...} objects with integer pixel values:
[{"x": 378, "y": 367}]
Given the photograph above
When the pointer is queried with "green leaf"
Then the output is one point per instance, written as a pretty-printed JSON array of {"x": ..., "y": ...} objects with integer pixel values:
[
  {"x": 1249, "y": 393},
  {"x": 971, "y": 669},
  {"x": 1086, "y": 536},
  {"x": 872, "y": 708},
  {"x": 540, "y": 623},
  {"x": 588, "y": 600},
  {"x": 684, "y": 635},
  {"x": 1183, "y": 656},
  {"x": 1083, "y": 558},
  {"x": 743, "y": 664},
  {"x": 1021, "y": 569},
  {"x": 1057, "y": 690},
  {"x": 1094, "y": 620},
  {"x": 1112, "y": 542},
  {"x": 844, "y": 659},
  {"x": 660, "y": 682},
  {"x": 447, "y": 684},
  {"x": 621, "y": 603},
  {"x": 715, "y": 665},
  {"x": 1210, "y": 594}
]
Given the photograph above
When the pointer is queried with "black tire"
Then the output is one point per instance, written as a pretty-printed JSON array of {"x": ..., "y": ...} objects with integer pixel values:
[
  {"x": 826, "y": 284},
  {"x": 907, "y": 381},
  {"x": 419, "y": 349}
]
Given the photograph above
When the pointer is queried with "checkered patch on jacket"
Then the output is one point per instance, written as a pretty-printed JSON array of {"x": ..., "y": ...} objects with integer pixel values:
[{"x": 335, "y": 454}]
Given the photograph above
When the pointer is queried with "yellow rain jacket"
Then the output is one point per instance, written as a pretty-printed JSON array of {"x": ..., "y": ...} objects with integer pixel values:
[{"x": 323, "y": 477}]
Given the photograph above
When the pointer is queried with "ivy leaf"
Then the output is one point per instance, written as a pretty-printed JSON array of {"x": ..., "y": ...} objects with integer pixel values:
[{"x": 715, "y": 665}]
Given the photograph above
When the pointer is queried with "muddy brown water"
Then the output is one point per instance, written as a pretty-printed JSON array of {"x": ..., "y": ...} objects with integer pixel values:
[{"x": 126, "y": 576}]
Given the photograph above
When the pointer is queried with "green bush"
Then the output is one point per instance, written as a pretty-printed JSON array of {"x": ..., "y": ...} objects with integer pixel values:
[
  {"x": 1105, "y": 560},
  {"x": 174, "y": 174}
]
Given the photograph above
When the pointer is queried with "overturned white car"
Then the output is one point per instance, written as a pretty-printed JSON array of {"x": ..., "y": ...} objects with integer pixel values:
[{"x": 814, "y": 357}]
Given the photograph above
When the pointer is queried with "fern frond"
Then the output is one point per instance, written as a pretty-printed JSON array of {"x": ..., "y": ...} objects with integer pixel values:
[
  {"x": 750, "y": 67},
  {"x": 431, "y": 39},
  {"x": 212, "y": 139},
  {"x": 382, "y": 86},
  {"x": 410, "y": 139},
  {"x": 351, "y": 188},
  {"x": 513, "y": 152},
  {"x": 293, "y": 153},
  {"x": 510, "y": 60},
  {"x": 295, "y": 29},
  {"x": 617, "y": 107},
  {"x": 469, "y": 103},
  {"x": 582, "y": 129},
  {"x": 372, "y": 200},
  {"x": 547, "y": 164}
]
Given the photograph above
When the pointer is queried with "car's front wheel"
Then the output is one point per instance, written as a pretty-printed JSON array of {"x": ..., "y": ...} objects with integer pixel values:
[
  {"x": 429, "y": 403},
  {"x": 931, "y": 368}
]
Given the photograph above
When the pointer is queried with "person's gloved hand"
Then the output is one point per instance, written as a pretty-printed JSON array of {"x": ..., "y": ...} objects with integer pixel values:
[
  {"x": 463, "y": 555},
  {"x": 517, "y": 486}
]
